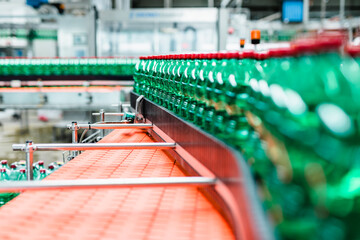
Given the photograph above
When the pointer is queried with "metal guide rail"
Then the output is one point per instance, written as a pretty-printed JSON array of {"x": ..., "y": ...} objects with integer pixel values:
[
  {"x": 217, "y": 168},
  {"x": 128, "y": 194}
]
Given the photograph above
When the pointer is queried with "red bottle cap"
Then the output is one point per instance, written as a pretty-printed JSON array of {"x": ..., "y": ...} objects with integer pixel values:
[
  {"x": 353, "y": 50},
  {"x": 3, "y": 170},
  {"x": 212, "y": 55},
  {"x": 262, "y": 55},
  {"x": 13, "y": 166},
  {"x": 301, "y": 46},
  {"x": 3, "y": 162},
  {"x": 22, "y": 170},
  {"x": 221, "y": 55},
  {"x": 42, "y": 170},
  {"x": 51, "y": 167},
  {"x": 330, "y": 43},
  {"x": 41, "y": 163},
  {"x": 281, "y": 52},
  {"x": 231, "y": 55},
  {"x": 248, "y": 54},
  {"x": 202, "y": 56}
]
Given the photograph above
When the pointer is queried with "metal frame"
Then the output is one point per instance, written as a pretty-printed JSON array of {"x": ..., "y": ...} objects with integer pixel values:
[
  {"x": 29, "y": 149},
  {"x": 108, "y": 183},
  {"x": 110, "y": 126}
]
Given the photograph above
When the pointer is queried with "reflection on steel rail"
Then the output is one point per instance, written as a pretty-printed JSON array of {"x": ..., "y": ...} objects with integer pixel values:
[
  {"x": 92, "y": 146},
  {"x": 112, "y": 126},
  {"x": 109, "y": 114},
  {"x": 107, "y": 183}
]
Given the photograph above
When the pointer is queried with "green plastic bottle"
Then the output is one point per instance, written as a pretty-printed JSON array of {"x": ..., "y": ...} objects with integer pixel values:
[
  {"x": 14, "y": 172},
  {"x": 42, "y": 174},
  {"x": 4, "y": 164},
  {"x": 4, "y": 174},
  {"x": 22, "y": 175}
]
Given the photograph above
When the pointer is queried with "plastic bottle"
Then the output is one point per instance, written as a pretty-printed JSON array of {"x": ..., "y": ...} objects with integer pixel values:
[
  {"x": 42, "y": 174},
  {"x": 22, "y": 175},
  {"x": 4, "y": 174},
  {"x": 14, "y": 172},
  {"x": 4, "y": 164},
  {"x": 51, "y": 168},
  {"x": 37, "y": 167},
  {"x": 209, "y": 109}
]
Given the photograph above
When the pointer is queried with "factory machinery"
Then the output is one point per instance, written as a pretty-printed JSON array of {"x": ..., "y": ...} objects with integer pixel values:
[{"x": 228, "y": 145}]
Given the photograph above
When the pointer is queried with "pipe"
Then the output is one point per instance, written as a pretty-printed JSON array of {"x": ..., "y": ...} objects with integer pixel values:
[
  {"x": 323, "y": 10},
  {"x": 342, "y": 11},
  {"x": 102, "y": 119},
  {"x": 113, "y": 126},
  {"x": 74, "y": 128},
  {"x": 210, "y": 3},
  {"x": 90, "y": 146},
  {"x": 109, "y": 114},
  {"x": 107, "y": 183},
  {"x": 224, "y": 3},
  {"x": 29, "y": 156},
  {"x": 90, "y": 138},
  {"x": 306, "y": 12}
]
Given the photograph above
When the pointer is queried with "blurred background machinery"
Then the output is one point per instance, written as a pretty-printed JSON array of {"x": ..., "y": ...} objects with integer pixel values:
[{"x": 132, "y": 28}]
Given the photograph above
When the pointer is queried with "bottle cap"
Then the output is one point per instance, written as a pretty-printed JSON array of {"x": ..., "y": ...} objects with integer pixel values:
[
  {"x": 353, "y": 50},
  {"x": 3, "y": 162},
  {"x": 248, "y": 54},
  {"x": 255, "y": 36},
  {"x": 213, "y": 55},
  {"x": 301, "y": 46},
  {"x": 13, "y": 166},
  {"x": 221, "y": 55},
  {"x": 262, "y": 55},
  {"x": 3, "y": 170},
  {"x": 202, "y": 56},
  {"x": 330, "y": 43},
  {"x": 42, "y": 170},
  {"x": 232, "y": 55},
  {"x": 41, "y": 163},
  {"x": 22, "y": 170},
  {"x": 197, "y": 56},
  {"x": 51, "y": 167},
  {"x": 281, "y": 52}
]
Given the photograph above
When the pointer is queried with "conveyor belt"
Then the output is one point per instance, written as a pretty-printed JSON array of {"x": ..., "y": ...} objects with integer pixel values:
[{"x": 130, "y": 213}]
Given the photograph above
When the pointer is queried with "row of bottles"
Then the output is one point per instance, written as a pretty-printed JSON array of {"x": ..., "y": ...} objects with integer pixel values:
[
  {"x": 294, "y": 113},
  {"x": 66, "y": 66},
  {"x": 17, "y": 172}
]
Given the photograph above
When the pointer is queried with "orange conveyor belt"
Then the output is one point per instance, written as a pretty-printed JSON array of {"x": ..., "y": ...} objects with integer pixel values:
[{"x": 121, "y": 213}]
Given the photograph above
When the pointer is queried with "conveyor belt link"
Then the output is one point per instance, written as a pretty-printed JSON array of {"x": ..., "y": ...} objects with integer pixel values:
[{"x": 115, "y": 213}]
